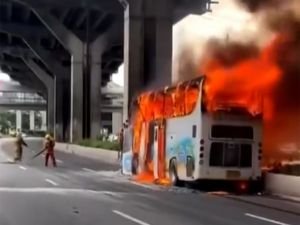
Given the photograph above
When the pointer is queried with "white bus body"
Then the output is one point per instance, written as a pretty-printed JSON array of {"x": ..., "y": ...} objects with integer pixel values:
[{"x": 208, "y": 146}]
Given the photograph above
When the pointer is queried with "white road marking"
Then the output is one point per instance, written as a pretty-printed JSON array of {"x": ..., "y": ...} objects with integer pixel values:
[
  {"x": 265, "y": 219},
  {"x": 126, "y": 216},
  {"x": 22, "y": 168},
  {"x": 59, "y": 161},
  {"x": 89, "y": 170},
  {"x": 51, "y": 182}
]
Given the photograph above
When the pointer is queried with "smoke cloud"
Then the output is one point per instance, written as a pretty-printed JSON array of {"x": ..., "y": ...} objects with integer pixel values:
[{"x": 278, "y": 36}]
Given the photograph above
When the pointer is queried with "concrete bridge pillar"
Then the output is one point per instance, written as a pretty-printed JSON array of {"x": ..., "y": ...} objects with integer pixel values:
[
  {"x": 85, "y": 79},
  {"x": 44, "y": 120},
  {"x": 147, "y": 47},
  {"x": 18, "y": 120},
  {"x": 116, "y": 122},
  {"x": 32, "y": 120},
  {"x": 48, "y": 81},
  {"x": 97, "y": 48}
]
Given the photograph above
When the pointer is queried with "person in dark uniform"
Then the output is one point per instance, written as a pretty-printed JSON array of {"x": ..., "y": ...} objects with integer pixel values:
[
  {"x": 121, "y": 141},
  {"x": 19, "y": 147}
]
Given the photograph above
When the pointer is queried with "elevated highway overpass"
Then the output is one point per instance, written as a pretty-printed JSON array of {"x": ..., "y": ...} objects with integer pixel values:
[
  {"x": 19, "y": 98},
  {"x": 68, "y": 49}
]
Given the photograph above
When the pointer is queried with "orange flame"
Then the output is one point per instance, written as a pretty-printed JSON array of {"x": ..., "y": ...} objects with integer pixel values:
[
  {"x": 178, "y": 101},
  {"x": 244, "y": 83}
]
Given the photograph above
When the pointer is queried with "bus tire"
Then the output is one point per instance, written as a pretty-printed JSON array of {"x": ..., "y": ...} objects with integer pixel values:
[
  {"x": 173, "y": 174},
  {"x": 134, "y": 164}
]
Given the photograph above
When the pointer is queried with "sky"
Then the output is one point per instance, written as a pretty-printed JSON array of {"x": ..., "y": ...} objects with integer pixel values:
[
  {"x": 4, "y": 76},
  {"x": 225, "y": 18}
]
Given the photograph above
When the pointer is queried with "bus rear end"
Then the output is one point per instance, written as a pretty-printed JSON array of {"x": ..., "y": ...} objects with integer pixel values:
[{"x": 232, "y": 144}]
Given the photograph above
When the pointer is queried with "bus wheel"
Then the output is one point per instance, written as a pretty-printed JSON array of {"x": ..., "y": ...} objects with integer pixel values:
[
  {"x": 134, "y": 164},
  {"x": 173, "y": 174}
]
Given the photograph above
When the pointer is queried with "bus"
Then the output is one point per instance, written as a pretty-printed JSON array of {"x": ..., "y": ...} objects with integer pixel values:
[{"x": 176, "y": 138}]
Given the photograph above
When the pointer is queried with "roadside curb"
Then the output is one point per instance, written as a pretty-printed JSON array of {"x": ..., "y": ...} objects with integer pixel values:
[
  {"x": 261, "y": 204},
  {"x": 287, "y": 198},
  {"x": 103, "y": 155}
]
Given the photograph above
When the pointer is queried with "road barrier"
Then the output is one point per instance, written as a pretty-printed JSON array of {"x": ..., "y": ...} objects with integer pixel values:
[
  {"x": 104, "y": 155},
  {"x": 283, "y": 185}
]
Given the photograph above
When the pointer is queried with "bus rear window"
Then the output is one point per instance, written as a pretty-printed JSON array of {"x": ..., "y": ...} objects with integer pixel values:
[
  {"x": 234, "y": 132},
  {"x": 230, "y": 155}
]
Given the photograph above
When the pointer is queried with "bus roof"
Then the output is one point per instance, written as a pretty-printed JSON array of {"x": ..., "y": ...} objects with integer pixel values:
[{"x": 183, "y": 84}]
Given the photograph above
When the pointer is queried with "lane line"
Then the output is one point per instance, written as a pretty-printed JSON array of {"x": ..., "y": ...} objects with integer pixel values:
[
  {"x": 22, "y": 168},
  {"x": 265, "y": 219},
  {"x": 51, "y": 182},
  {"x": 126, "y": 216},
  {"x": 59, "y": 161},
  {"x": 89, "y": 170}
]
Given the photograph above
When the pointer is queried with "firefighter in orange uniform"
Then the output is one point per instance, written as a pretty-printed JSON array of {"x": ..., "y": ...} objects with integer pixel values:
[{"x": 49, "y": 148}]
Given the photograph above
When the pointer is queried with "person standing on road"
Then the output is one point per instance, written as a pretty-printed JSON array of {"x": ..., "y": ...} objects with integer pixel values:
[
  {"x": 121, "y": 140},
  {"x": 49, "y": 148},
  {"x": 19, "y": 147}
]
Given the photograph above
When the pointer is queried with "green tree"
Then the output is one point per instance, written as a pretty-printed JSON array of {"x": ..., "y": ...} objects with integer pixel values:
[{"x": 7, "y": 121}]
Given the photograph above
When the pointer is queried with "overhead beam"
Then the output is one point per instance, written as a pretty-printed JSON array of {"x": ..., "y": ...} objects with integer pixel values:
[
  {"x": 9, "y": 11},
  {"x": 14, "y": 65},
  {"x": 81, "y": 19},
  {"x": 64, "y": 14},
  {"x": 33, "y": 43},
  {"x": 99, "y": 20},
  {"x": 16, "y": 51},
  {"x": 27, "y": 14},
  {"x": 28, "y": 30},
  {"x": 112, "y": 6},
  {"x": 48, "y": 59},
  {"x": 9, "y": 38}
]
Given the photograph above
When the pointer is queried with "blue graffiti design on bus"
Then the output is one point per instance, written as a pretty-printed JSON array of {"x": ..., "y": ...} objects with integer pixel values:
[{"x": 181, "y": 149}]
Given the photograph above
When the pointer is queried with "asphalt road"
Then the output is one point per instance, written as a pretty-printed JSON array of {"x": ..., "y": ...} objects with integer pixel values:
[{"x": 87, "y": 192}]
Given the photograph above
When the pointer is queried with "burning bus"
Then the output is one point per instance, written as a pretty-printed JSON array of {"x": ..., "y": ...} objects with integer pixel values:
[{"x": 178, "y": 135}]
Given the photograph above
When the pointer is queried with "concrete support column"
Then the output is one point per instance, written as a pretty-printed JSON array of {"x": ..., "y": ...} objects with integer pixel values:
[
  {"x": 19, "y": 120},
  {"x": 116, "y": 122},
  {"x": 76, "y": 124},
  {"x": 31, "y": 120},
  {"x": 44, "y": 120},
  {"x": 147, "y": 47},
  {"x": 95, "y": 87},
  {"x": 49, "y": 83},
  {"x": 75, "y": 47},
  {"x": 59, "y": 110}
]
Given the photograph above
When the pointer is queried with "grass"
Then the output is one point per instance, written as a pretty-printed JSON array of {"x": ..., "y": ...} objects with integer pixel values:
[{"x": 109, "y": 145}]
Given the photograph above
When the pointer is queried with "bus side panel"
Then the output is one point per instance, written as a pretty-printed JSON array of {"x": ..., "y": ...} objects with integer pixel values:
[{"x": 182, "y": 145}]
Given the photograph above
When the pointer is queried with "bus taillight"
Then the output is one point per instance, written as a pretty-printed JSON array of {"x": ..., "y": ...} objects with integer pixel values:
[{"x": 242, "y": 187}]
